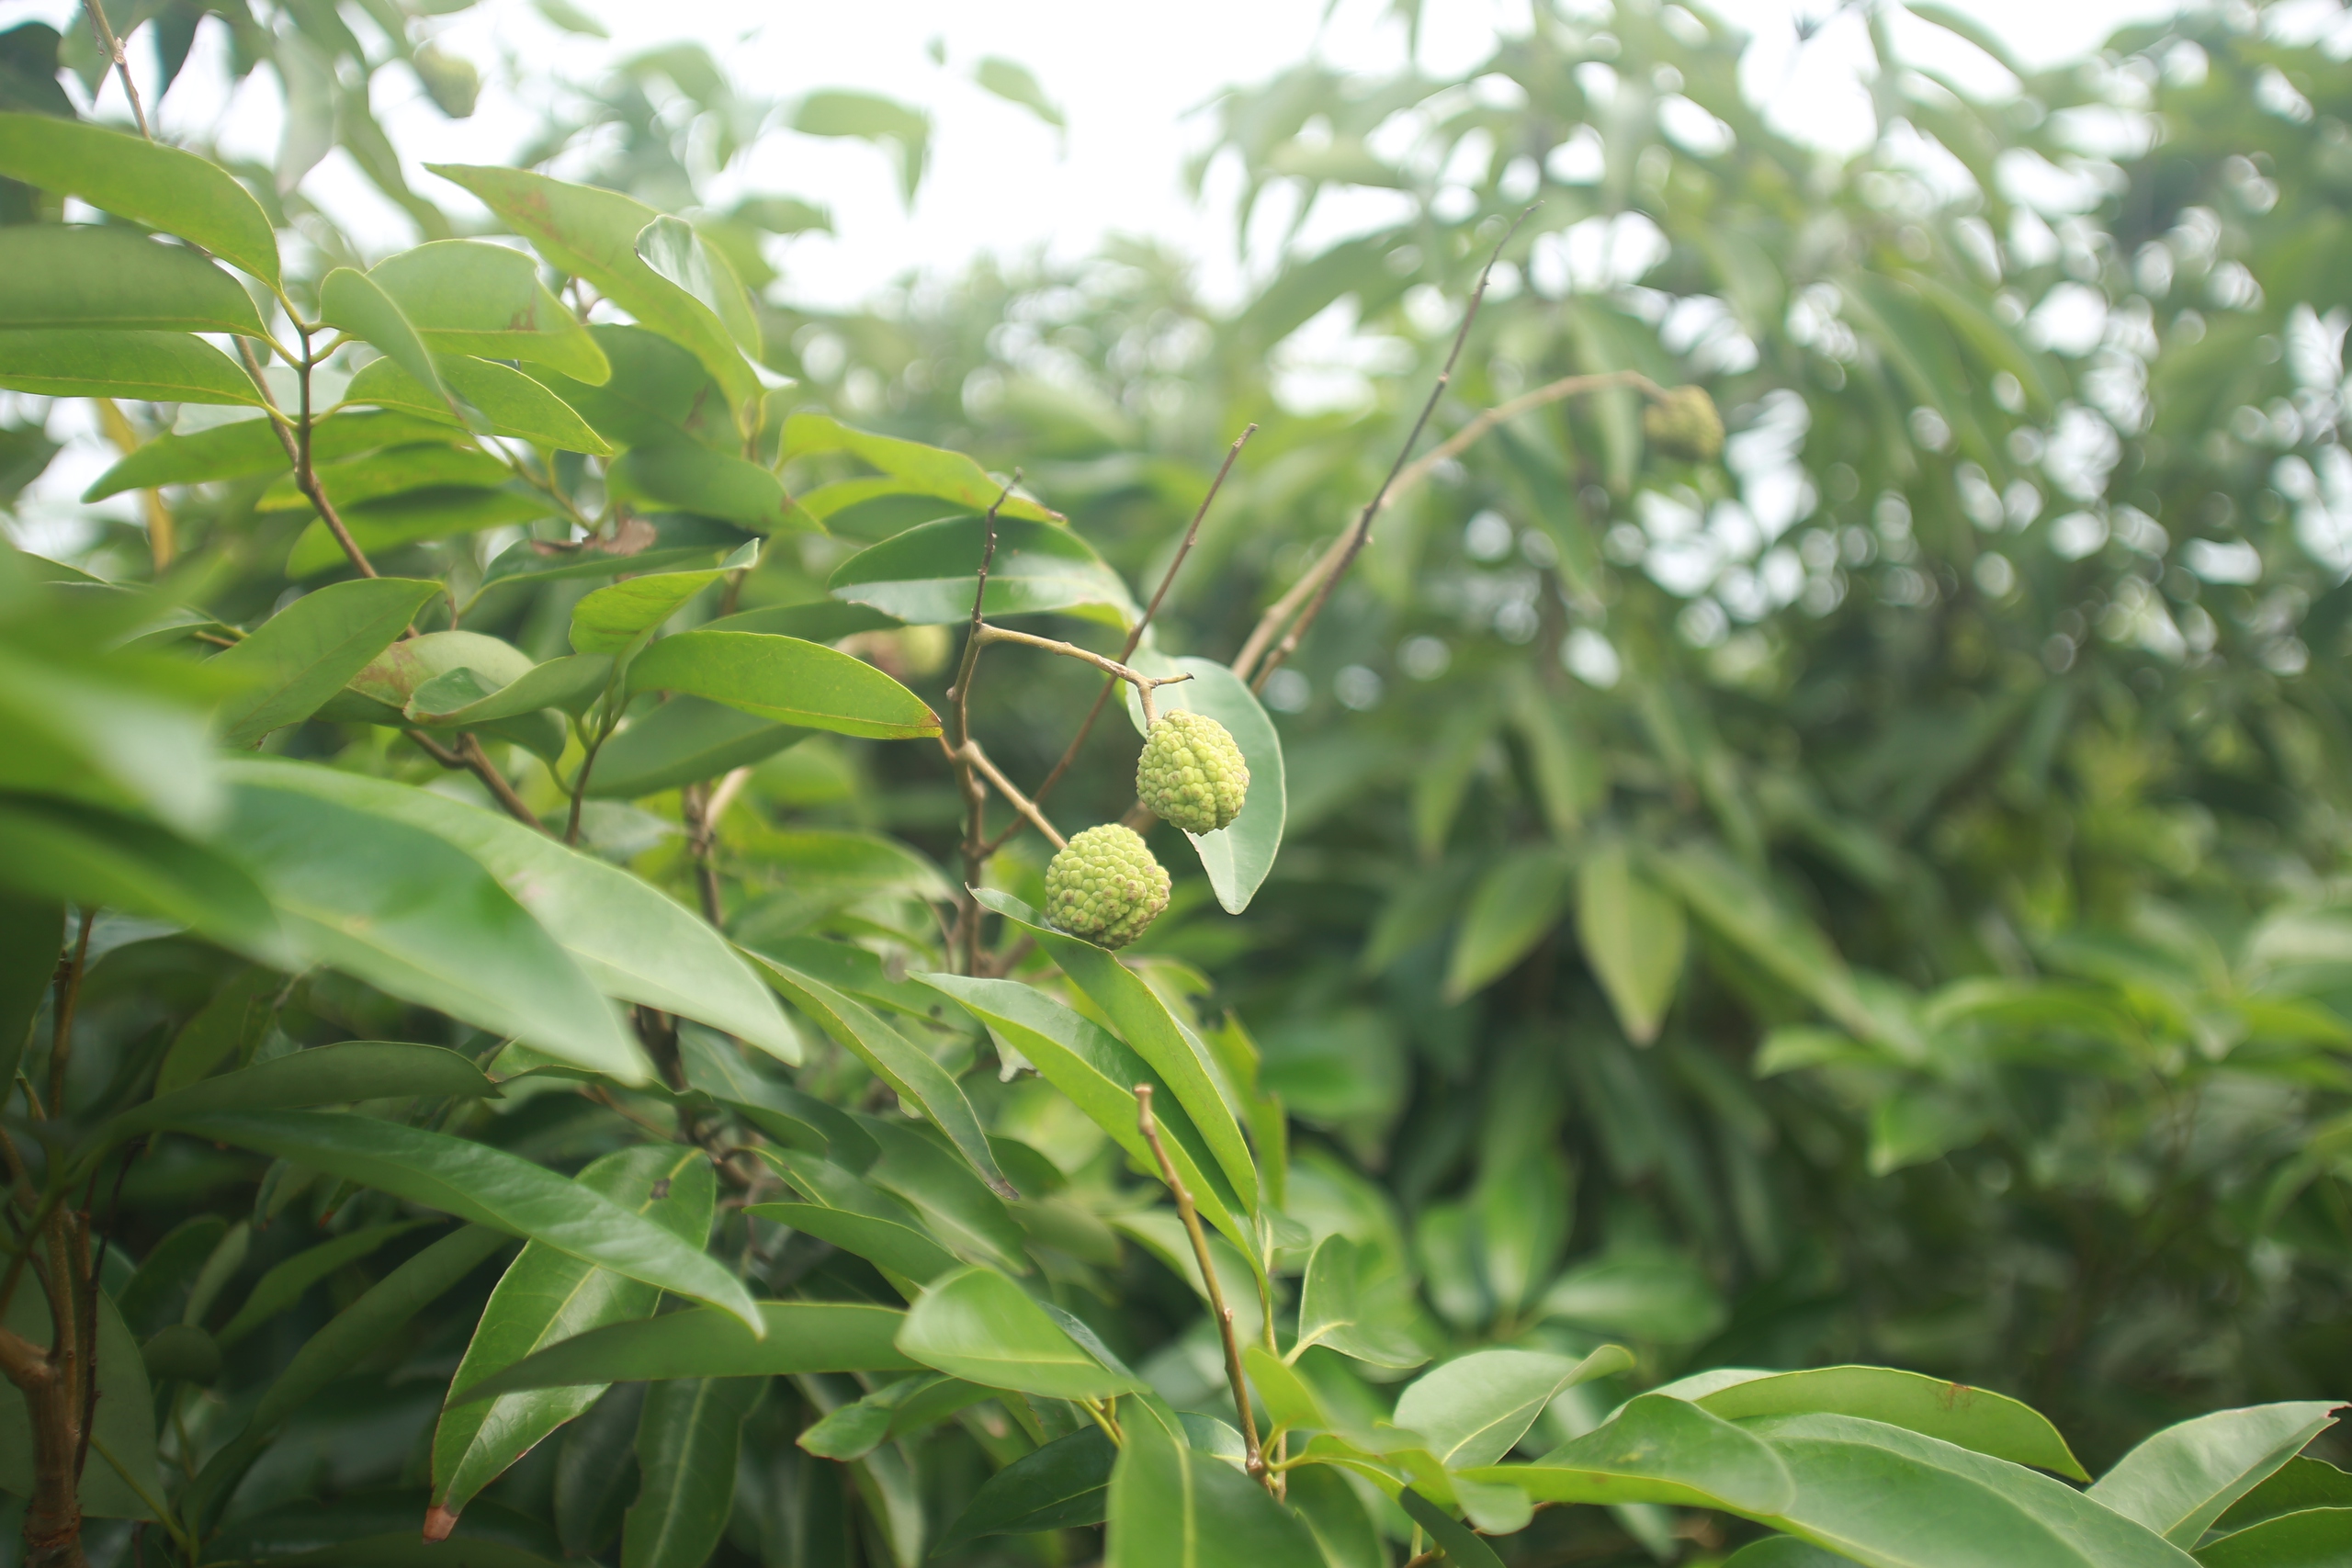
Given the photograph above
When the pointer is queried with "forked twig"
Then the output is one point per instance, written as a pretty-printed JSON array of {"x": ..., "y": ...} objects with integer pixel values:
[
  {"x": 1253, "y": 1458},
  {"x": 1005, "y": 787}
]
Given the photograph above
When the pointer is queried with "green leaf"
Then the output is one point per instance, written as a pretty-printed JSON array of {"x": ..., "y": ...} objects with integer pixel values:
[
  {"x": 54, "y": 275},
  {"x": 1846, "y": 1468},
  {"x": 686, "y": 1443},
  {"x": 956, "y": 1206},
  {"x": 1239, "y": 855},
  {"x": 703, "y": 1342},
  {"x": 707, "y": 483},
  {"x": 547, "y": 1296},
  {"x": 670, "y": 247},
  {"x": 658, "y": 394},
  {"x": 920, "y": 469},
  {"x": 981, "y": 1326},
  {"x": 630, "y": 939},
  {"x": 54, "y": 849},
  {"x": 2181, "y": 1480},
  {"x": 871, "y": 117},
  {"x": 121, "y": 1466},
  {"x": 1013, "y": 82},
  {"x": 909, "y": 1070},
  {"x": 487, "y": 1186},
  {"x": 32, "y": 936},
  {"x": 378, "y": 1530},
  {"x": 474, "y": 299},
  {"x": 1633, "y": 936},
  {"x": 926, "y": 576},
  {"x": 1143, "y": 1021},
  {"x": 509, "y": 402},
  {"x": 1657, "y": 1450},
  {"x": 900, "y": 1409},
  {"x": 396, "y": 470},
  {"x": 1366, "y": 1318},
  {"x": 781, "y": 679},
  {"x": 306, "y": 652},
  {"x": 611, "y": 618},
  {"x": 2300, "y": 1484},
  {"x": 593, "y": 233},
  {"x": 381, "y": 526},
  {"x": 1064, "y": 1485},
  {"x": 1516, "y": 902},
  {"x": 1782, "y": 1551},
  {"x": 279, "y": 1290},
  {"x": 162, "y": 367},
  {"x": 682, "y": 742},
  {"x": 569, "y": 684},
  {"x": 1173, "y": 1506},
  {"x": 353, "y": 302},
  {"x": 1098, "y": 1074},
  {"x": 1474, "y": 1409},
  {"x": 132, "y": 177},
  {"x": 2313, "y": 1537},
  {"x": 677, "y": 540},
  {"x": 1649, "y": 1293},
  {"x": 340, "y": 1074},
  {"x": 1719, "y": 892},
  {"x": 900, "y": 1248},
  {"x": 410, "y": 914},
  {"x": 1968, "y": 1417},
  {"x": 1463, "y": 1547},
  {"x": 154, "y": 1295},
  {"x": 253, "y": 447}
]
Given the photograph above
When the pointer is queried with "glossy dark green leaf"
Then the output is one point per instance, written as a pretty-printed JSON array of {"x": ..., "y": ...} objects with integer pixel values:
[
  {"x": 630, "y": 939},
  {"x": 487, "y": 1186},
  {"x": 409, "y": 913},
  {"x": 468, "y": 298},
  {"x": 2179, "y": 1480},
  {"x": 1098, "y": 1074},
  {"x": 703, "y": 1342},
  {"x": 547, "y": 1296},
  {"x": 2301, "y": 1483},
  {"x": 81, "y": 362},
  {"x": 900, "y": 1248},
  {"x": 157, "y": 1290},
  {"x": 956, "y": 1206},
  {"x": 919, "y": 1079},
  {"x": 783, "y": 680},
  {"x": 1971, "y": 1417},
  {"x": 686, "y": 1444},
  {"x": 509, "y": 402},
  {"x": 981, "y": 1326},
  {"x": 2312, "y": 1538},
  {"x": 1172, "y": 1507},
  {"x": 340, "y": 1074},
  {"x": 924, "y": 470},
  {"x": 120, "y": 1474},
  {"x": 685, "y": 740},
  {"x": 1633, "y": 936},
  {"x": 1063, "y": 1485},
  {"x": 378, "y": 1530},
  {"x": 284, "y": 1285},
  {"x": 927, "y": 576},
  {"x": 592, "y": 235},
  {"x": 1154, "y": 1034},
  {"x": 611, "y": 618},
  {"x": 352, "y": 302},
  {"x": 1238, "y": 856},
  {"x": 66, "y": 276},
  {"x": 1464, "y": 1548},
  {"x": 896, "y": 1410},
  {"x": 302, "y": 656},
  {"x": 1656, "y": 1449},
  {"x": 133, "y": 178},
  {"x": 1353, "y": 1300}
]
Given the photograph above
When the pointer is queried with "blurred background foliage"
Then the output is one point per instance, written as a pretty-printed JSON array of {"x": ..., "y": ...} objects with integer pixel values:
[{"x": 1872, "y": 895}]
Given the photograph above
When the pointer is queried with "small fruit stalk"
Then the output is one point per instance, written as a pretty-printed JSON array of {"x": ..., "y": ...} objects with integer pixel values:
[
  {"x": 1104, "y": 886},
  {"x": 1192, "y": 775}
]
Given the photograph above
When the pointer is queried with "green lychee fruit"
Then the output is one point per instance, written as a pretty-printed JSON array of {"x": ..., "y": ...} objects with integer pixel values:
[
  {"x": 1106, "y": 887},
  {"x": 1684, "y": 424},
  {"x": 1190, "y": 774}
]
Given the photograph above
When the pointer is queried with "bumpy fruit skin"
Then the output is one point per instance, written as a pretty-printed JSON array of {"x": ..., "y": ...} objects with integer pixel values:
[
  {"x": 1106, "y": 887},
  {"x": 1685, "y": 425},
  {"x": 1192, "y": 775}
]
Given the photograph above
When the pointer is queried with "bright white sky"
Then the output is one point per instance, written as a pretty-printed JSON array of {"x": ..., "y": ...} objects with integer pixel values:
[{"x": 1130, "y": 76}]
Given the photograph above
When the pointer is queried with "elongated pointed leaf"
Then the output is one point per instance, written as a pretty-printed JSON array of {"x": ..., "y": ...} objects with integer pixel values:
[
  {"x": 784, "y": 680},
  {"x": 956, "y": 1205},
  {"x": 1364, "y": 1317},
  {"x": 1173, "y": 1506},
  {"x": 686, "y": 1442},
  {"x": 487, "y": 1186},
  {"x": 900, "y": 1248},
  {"x": 2181, "y": 1480},
  {"x": 146, "y": 181},
  {"x": 547, "y": 1296},
  {"x": 670, "y": 247},
  {"x": 799, "y": 1336},
  {"x": 340, "y": 1074},
  {"x": 706, "y": 483},
  {"x": 1153, "y": 1033},
  {"x": 609, "y": 619},
  {"x": 901, "y": 1064},
  {"x": 1657, "y": 1450},
  {"x": 355, "y": 304},
  {"x": 1239, "y": 855},
  {"x": 1464, "y": 1548},
  {"x": 433, "y": 465},
  {"x": 927, "y": 576},
  {"x": 923, "y": 470},
  {"x": 412, "y": 915},
  {"x": 252, "y": 446},
  {"x": 1063, "y": 1485},
  {"x": 283, "y": 1286},
  {"x": 56, "y": 850},
  {"x": 381, "y": 526},
  {"x": 509, "y": 402},
  {"x": 2310, "y": 1538},
  {"x": 981, "y": 1326},
  {"x": 163, "y": 367},
  {"x": 474, "y": 299},
  {"x": 1474, "y": 1409},
  {"x": 632, "y": 940},
  {"x": 1971, "y": 1417},
  {"x": 305, "y": 653},
  {"x": 83, "y": 275},
  {"x": 569, "y": 683},
  {"x": 1633, "y": 936},
  {"x": 1085, "y": 1062},
  {"x": 1719, "y": 892}
]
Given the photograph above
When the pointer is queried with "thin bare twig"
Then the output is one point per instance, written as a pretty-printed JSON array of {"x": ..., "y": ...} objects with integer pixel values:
[
  {"x": 1253, "y": 1458},
  {"x": 1005, "y": 787},
  {"x": 1353, "y": 542},
  {"x": 694, "y": 807},
  {"x": 68, "y": 1000},
  {"x": 468, "y": 756},
  {"x": 1135, "y": 638},
  {"x": 112, "y": 48},
  {"x": 976, "y": 798}
]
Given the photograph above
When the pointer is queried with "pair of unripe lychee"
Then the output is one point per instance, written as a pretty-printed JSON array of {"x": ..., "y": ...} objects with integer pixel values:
[{"x": 1104, "y": 886}]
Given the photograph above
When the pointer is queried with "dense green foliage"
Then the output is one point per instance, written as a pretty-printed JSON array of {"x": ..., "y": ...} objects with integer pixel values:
[{"x": 1807, "y": 835}]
